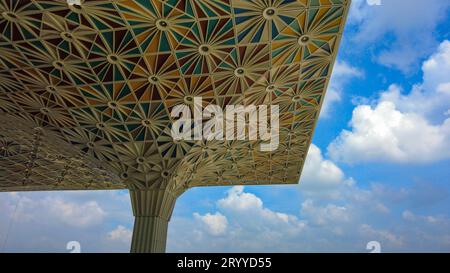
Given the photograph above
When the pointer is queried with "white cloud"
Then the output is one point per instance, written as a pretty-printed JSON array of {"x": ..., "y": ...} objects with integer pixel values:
[
  {"x": 431, "y": 98},
  {"x": 402, "y": 128},
  {"x": 321, "y": 176},
  {"x": 242, "y": 221},
  {"x": 347, "y": 224},
  {"x": 342, "y": 74},
  {"x": 216, "y": 224},
  {"x": 239, "y": 200},
  {"x": 411, "y": 23},
  {"x": 343, "y": 221},
  {"x": 330, "y": 213},
  {"x": 384, "y": 236},
  {"x": 314, "y": 225},
  {"x": 79, "y": 215},
  {"x": 46, "y": 221},
  {"x": 121, "y": 234},
  {"x": 429, "y": 219},
  {"x": 254, "y": 227},
  {"x": 385, "y": 134}
]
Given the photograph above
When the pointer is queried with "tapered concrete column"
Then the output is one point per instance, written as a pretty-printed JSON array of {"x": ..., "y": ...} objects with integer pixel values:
[{"x": 152, "y": 210}]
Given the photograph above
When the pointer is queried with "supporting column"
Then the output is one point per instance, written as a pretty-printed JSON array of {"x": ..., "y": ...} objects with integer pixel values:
[{"x": 152, "y": 210}]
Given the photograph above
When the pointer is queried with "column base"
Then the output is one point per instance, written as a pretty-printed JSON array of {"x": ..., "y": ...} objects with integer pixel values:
[{"x": 149, "y": 235}]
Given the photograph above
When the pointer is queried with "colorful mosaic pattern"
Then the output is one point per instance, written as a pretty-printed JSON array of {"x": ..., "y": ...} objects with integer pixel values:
[{"x": 86, "y": 90}]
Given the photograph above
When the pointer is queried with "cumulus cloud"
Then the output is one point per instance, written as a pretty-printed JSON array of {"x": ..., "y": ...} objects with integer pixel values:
[
  {"x": 330, "y": 213},
  {"x": 254, "y": 227},
  {"x": 73, "y": 213},
  {"x": 431, "y": 98},
  {"x": 239, "y": 202},
  {"x": 216, "y": 224},
  {"x": 344, "y": 221},
  {"x": 402, "y": 128},
  {"x": 121, "y": 234},
  {"x": 342, "y": 74},
  {"x": 410, "y": 23},
  {"x": 347, "y": 224},
  {"x": 80, "y": 215},
  {"x": 321, "y": 175},
  {"x": 46, "y": 221},
  {"x": 384, "y": 133}
]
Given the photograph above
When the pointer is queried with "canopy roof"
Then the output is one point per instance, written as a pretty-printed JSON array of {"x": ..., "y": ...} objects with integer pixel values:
[{"x": 86, "y": 90}]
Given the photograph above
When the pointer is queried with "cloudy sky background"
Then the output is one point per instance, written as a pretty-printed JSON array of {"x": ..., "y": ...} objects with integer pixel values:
[{"x": 378, "y": 169}]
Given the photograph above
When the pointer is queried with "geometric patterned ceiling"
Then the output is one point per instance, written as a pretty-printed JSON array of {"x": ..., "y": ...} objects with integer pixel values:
[{"x": 86, "y": 90}]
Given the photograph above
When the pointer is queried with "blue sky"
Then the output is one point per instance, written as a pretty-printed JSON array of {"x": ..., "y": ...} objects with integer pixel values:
[{"x": 378, "y": 169}]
